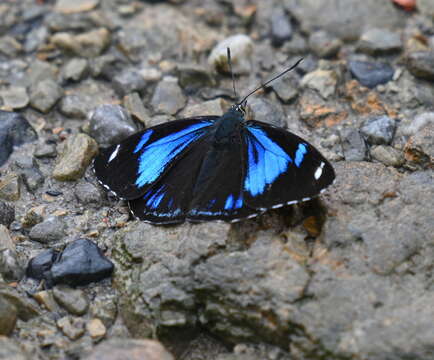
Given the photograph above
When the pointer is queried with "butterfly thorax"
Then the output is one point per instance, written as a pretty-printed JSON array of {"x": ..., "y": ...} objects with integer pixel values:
[{"x": 227, "y": 127}]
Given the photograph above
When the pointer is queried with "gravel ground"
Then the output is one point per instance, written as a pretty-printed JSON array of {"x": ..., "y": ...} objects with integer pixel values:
[{"x": 346, "y": 276}]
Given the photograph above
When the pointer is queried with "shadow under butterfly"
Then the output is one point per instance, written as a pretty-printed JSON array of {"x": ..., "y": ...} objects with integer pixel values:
[{"x": 212, "y": 168}]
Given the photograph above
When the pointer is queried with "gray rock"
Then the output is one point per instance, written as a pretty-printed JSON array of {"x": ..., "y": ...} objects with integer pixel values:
[
  {"x": 168, "y": 97},
  {"x": 296, "y": 46},
  {"x": 10, "y": 187},
  {"x": 30, "y": 174},
  {"x": 128, "y": 81},
  {"x": 50, "y": 230},
  {"x": 88, "y": 194},
  {"x": 35, "y": 38},
  {"x": 134, "y": 349},
  {"x": 7, "y": 214},
  {"x": 345, "y": 19},
  {"x": 76, "y": 105},
  {"x": 323, "y": 81},
  {"x": 210, "y": 107},
  {"x": 26, "y": 309},
  {"x": 10, "y": 267},
  {"x": 371, "y": 74},
  {"x": 15, "y": 130},
  {"x": 420, "y": 147},
  {"x": 281, "y": 28},
  {"x": 77, "y": 6},
  {"x": 353, "y": 145},
  {"x": 379, "y": 130},
  {"x": 15, "y": 97},
  {"x": 45, "y": 94},
  {"x": 89, "y": 44},
  {"x": 43, "y": 150},
  {"x": 8, "y": 318},
  {"x": 10, "y": 350},
  {"x": 241, "y": 51},
  {"x": 109, "y": 124},
  {"x": 134, "y": 105},
  {"x": 10, "y": 47},
  {"x": 40, "y": 70},
  {"x": 104, "y": 307},
  {"x": 379, "y": 41},
  {"x": 324, "y": 44},
  {"x": 264, "y": 110},
  {"x": 77, "y": 154},
  {"x": 416, "y": 123},
  {"x": 74, "y": 70},
  {"x": 286, "y": 88},
  {"x": 421, "y": 64},
  {"x": 387, "y": 155},
  {"x": 426, "y": 7},
  {"x": 73, "y": 300},
  {"x": 193, "y": 77}
]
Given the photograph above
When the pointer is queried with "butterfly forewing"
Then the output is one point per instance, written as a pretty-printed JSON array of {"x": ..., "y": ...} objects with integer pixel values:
[
  {"x": 129, "y": 168},
  {"x": 280, "y": 167}
]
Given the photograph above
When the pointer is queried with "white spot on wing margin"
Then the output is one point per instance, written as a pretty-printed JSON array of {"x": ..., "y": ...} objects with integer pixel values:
[
  {"x": 114, "y": 153},
  {"x": 318, "y": 171}
]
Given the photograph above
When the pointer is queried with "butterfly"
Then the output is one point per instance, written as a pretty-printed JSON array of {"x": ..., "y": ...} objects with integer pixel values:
[{"x": 212, "y": 168}]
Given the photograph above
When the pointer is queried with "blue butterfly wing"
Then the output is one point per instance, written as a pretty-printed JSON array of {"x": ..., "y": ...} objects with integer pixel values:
[
  {"x": 131, "y": 167},
  {"x": 280, "y": 167},
  {"x": 206, "y": 184}
]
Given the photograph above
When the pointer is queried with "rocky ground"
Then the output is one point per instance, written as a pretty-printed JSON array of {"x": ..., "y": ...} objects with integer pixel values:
[{"x": 346, "y": 276}]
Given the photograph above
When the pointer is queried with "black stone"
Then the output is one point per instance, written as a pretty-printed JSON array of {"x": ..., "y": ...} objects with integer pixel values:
[
  {"x": 39, "y": 267},
  {"x": 370, "y": 74},
  {"x": 15, "y": 130},
  {"x": 81, "y": 263}
]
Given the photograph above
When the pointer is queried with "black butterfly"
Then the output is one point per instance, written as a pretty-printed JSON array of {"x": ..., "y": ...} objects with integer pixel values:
[{"x": 212, "y": 168}]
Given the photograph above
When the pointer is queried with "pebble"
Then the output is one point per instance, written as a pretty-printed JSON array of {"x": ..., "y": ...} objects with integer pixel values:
[
  {"x": 379, "y": 41},
  {"x": 39, "y": 267},
  {"x": 15, "y": 97},
  {"x": 323, "y": 44},
  {"x": 26, "y": 309},
  {"x": 76, "y": 105},
  {"x": 96, "y": 329},
  {"x": 347, "y": 20},
  {"x": 286, "y": 89},
  {"x": 132, "y": 349},
  {"x": 128, "y": 81},
  {"x": 426, "y": 7},
  {"x": 104, "y": 307},
  {"x": 10, "y": 267},
  {"x": 10, "y": 187},
  {"x": 241, "y": 52},
  {"x": 421, "y": 64},
  {"x": 40, "y": 70},
  {"x": 323, "y": 81},
  {"x": 281, "y": 28},
  {"x": 88, "y": 194},
  {"x": 193, "y": 77},
  {"x": 420, "y": 147},
  {"x": 81, "y": 263},
  {"x": 387, "y": 155},
  {"x": 15, "y": 130},
  {"x": 353, "y": 145},
  {"x": 11, "y": 350},
  {"x": 45, "y": 94},
  {"x": 46, "y": 299},
  {"x": 210, "y": 107},
  {"x": 261, "y": 109},
  {"x": 134, "y": 105},
  {"x": 79, "y": 151},
  {"x": 50, "y": 230},
  {"x": 168, "y": 97},
  {"x": 7, "y": 214},
  {"x": 103, "y": 66},
  {"x": 109, "y": 124},
  {"x": 10, "y": 47},
  {"x": 35, "y": 38},
  {"x": 44, "y": 150},
  {"x": 89, "y": 44},
  {"x": 73, "y": 328},
  {"x": 8, "y": 319},
  {"x": 76, "y": 6},
  {"x": 369, "y": 73},
  {"x": 33, "y": 216},
  {"x": 379, "y": 130},
  {"x": 417, "y": 123},
  {"x": 74, "y": 70},
  {"x": 30, "y": 174},
  {"x": 73, "y": 300}
]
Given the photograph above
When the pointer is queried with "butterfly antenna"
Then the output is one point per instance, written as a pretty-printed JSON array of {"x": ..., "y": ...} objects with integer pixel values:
[
  {"x": 269, "y": 81},
  {"x": 232, "y": 73}
]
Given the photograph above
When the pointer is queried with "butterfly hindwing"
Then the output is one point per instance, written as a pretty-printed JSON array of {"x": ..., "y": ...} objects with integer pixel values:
[
  {"x": 130, "y": 167},
  {"x": 280, "y": 167}
]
